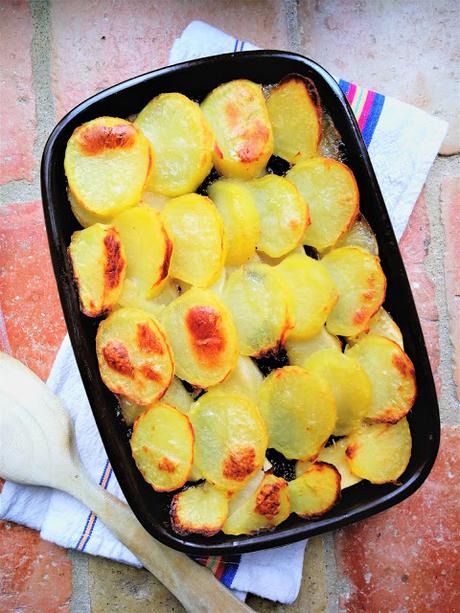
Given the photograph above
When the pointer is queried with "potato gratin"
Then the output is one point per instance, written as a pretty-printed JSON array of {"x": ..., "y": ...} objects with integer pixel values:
[{"x": 207, "y": 287}]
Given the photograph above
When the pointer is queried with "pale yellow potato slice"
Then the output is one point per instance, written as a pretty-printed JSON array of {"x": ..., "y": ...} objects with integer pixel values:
[
  {"x": 238, "y": 117},
  {"x": 335, "y": 455},
  {"x": 241, "y": 219},
  {"x": 299, "y": 410},
  {"x": 359, "y": 235},
  {"x": 261, "y": 307},
  {"x": 361, "y": 283},
  {"x": 295, "y": 114},
  {"x": 148, "y": 248},
  {"x": 197, "y": 232},
  {"x": 391, "y": 374},
  {"x": 350, "y": 386},
  {"x": 283, "y": 214},
  {"x": 380, "y": 324},
  {"x": 331, "y": 193},
  {"x": 154, "y": 201},
  {"x": 316, "y": 491},
  {"x": 203, "y": 337},
  {"x": 200, "y": 509},
  {"x": 240, "y": 497},
  {"x": 133, "y": 295},
  {"x": 230, "y": 439},
  {"x": 84, "y": 217},
  {"x": 264, "y": 510},
  {"x": 298, "y": 350},
  {"x": 182, "y": 141},
  {"x": 107, "y": 163},
  {"x": 380, "y": 453},
  {"x": 244, "y": 379},
  {"x": 313, "y": 291},
  {"x": 162, "y": 447},
  {"x": 134, "y": 356},
  {"x": 99, "y": 267}
]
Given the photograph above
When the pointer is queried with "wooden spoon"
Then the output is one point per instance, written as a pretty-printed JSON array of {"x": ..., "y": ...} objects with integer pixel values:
[{"x": 37, "y": 447}]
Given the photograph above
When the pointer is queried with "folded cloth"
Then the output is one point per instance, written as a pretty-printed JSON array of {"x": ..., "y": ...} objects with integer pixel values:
[{"x": 403, "y": 142}]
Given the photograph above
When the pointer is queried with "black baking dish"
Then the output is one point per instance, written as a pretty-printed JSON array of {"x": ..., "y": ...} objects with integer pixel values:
[{"x": 195, "y": 79}]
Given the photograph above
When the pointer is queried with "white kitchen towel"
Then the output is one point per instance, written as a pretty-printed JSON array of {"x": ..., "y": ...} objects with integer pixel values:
[{"x": 403, "y": 142}]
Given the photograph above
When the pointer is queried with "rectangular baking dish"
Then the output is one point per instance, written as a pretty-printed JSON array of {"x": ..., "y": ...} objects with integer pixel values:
[{"x": 195, "y": 79}]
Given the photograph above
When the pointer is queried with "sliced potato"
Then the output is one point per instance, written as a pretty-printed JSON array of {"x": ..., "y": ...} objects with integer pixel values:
[
  {"x": 202, "y": 336},
  {"x": 133, "y": 295},
  {"x": 349, "y": 383},
  {"x": 316, "y": 491},
  {"x": 148, "y": 248},
  {"x": 299, "y": 410},
  {"x": 238, "y": 116},
  {"x": 261, "y": 306},
  {"x": 295, "y": 114},
  {"x": 134, "y": 356},
  {"x": 162, "y": 447},
  {"x": 107, "y": 163},
  {"x": 361, "y": 284},
  {"x": 200, "y": 509},
  {"x": 380, "y": 324},
  {"x": 99, "y": 267},
  {"x": 392, "y": 376},
  {"x": 241, "y": 219},
  {"x": 84, "y": 217},
  {"x": 380, "y": 453},
  {"x": 244, "y": 379},
  {"x": 182, "y": 142},
  {"x": 240, "y": 497},
  {"x": 265, "y": 509},
  {"x": 154, "y": 201},
  {"x": 266, "y": 259},
  {"x": 230, "y": 439},
  {"x": 197, "y": 233},
  {"x": 331, "y": 193},
  {"x": 313, "y": 291},
  {"x": 359, "y": 235},
  {"x": 283, "y": 214},
  {"x": 335, "y": 455},
  {"x": 298, "y": 350}
]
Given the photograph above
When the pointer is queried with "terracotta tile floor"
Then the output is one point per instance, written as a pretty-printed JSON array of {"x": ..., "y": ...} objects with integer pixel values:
[{"x": 53, "y": 54}]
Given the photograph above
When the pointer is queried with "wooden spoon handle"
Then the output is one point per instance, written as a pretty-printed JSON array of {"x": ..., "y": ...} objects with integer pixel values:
[{"x": 193, "y": 585}]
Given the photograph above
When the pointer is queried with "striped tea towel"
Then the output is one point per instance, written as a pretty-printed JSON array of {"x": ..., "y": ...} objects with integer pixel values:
[{"x": 403, "y": 142}]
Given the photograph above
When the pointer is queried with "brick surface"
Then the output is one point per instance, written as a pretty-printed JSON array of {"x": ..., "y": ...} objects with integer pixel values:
[
  {"x": 407, "y": 558},
  {"x": 408, "y": 50},
  {"x": 17, "y": 100},
  {"x": 450, "y": 199},
  {"x": 414, "y": 247},
  {"x": 35, "y": 576},
  {"x": 99, "y": 43},
  {"x": 29, "y": 299}
]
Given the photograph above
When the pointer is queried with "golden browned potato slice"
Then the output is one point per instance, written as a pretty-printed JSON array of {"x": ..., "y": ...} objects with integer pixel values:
[
  {"x": 330, "y": 191},
  {"x": 380, "y": 453},
  {"x": 148, "y": 248},
  {"x": 380, "y": 324},
  {"x": 335, "y": 455},
  {"x": 359, "y": 235},
  {"x": 349, "y": 383},
  {"x": 133, "y": 295},
  {"x": 154, "y": 201},
  {"x": 361, "y": 284},
  {"x": 295, "y": 114},
  {"x": 84, "y": 218},
  {"x": 162, "y": 447},
  {"x": 316, "y": 491},
  {"x": 313, "y": 291},
  {"x": 261, "y": 306},
  {"x": 230, "y": 439},
  {"x": 107, "y": 163},
  {"x": 265, "y": 509},
  {"x": 244, "y": 379},
  {"x": 298, "y": 350},
  {"x": 99, "y": 266},
  {"x": 134, "y": 356},
  {"x": 200, "y": 509},
  {"x": 391, "y": 374},
  {"x": 283, "y": 214},
  {"x": 182, "y": 142},
  {"x": 299, "y": 410},
  {"x": 197, "y": 233},
  {"x": 240, "y": 217},
  {"x": 238, "y": 116},
  {"x": 202, "y": 336}
]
